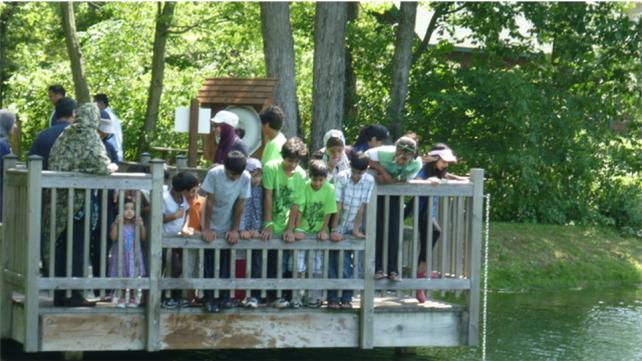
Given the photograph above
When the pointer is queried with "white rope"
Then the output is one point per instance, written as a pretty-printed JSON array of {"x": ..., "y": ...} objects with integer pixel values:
[{"x": 485, "y": 296}]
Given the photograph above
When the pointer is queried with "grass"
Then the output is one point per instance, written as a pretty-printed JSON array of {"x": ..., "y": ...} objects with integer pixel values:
[{"x": 548, "y": 257}]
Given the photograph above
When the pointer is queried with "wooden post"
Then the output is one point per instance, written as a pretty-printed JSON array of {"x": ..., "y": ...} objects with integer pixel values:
[
  {"x": 155, "y": 252},
  {"x": 5, "y": 301},
  {"x": 181, "y": 162},
  {"x": 145, "y": 158},
  {"x": 32, "y": 256},
  {"x": 477, "y": 177},
  {"x": 192, "y": 150},
  {"x": 366, "y": 327}
]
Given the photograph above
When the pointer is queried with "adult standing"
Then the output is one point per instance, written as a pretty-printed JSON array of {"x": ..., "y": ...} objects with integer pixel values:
[
  {"x": 65, "y": 113},
  {"x": 102, "y": 102},
  {"x": 78, "y": 149},
  {"x": 7, "y": 128},
  {"x": 224, "y": 123},
  {"x": 55, "y": 93},
  {"x": 371, "y": 136},
  {"x": 106, "y": 131}
]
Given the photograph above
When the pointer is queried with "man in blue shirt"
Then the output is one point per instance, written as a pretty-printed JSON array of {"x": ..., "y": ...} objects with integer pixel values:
[{"x": 65, "y": 115}]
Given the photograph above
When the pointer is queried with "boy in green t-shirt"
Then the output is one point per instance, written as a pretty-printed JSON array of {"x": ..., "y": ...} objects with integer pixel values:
[
  {"x": 319, "y": 203},
  {"x": 393, "y": 164},
  {"x": 283, "y": 183},
  {"x": 271, "y": 124}
]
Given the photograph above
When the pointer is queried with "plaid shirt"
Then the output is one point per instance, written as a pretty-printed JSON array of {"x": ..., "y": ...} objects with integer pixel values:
[{"x": 351, "y": 196}]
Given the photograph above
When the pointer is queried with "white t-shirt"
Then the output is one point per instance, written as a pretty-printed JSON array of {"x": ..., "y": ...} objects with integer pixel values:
[
  {"x": 170, "y": 207},
  {"x": 226, "y": 192}
]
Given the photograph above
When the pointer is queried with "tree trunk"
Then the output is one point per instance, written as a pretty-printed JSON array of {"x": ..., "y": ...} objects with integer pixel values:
[
  {"x": 163, "y": 21},
  {"x": 329, "y": 70},
  {"x": 350, "y": 112},
  {"x": 278, "y": 47},
  {"x": 75, "y": 56},
  {"x": 401, "y": 63}
]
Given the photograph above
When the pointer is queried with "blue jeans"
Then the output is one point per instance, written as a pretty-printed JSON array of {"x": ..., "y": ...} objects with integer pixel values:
[{"x": 347, "y": 273}]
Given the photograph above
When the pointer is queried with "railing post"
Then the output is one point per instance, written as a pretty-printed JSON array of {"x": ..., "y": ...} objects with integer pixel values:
[
  {"x": 145, "y": 158},
  {"x": 5, "y": 303},
  {"x": 181, "y": 162},
  {"x": 155, "y": 252},
  {"x": 477, "y": 177},
  {"x": 366, "y": 329},
  {"x": 32, "y": 256}
]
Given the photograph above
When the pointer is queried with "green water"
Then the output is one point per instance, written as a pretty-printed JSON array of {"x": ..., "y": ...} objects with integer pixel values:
[{"x": 531, "y": 326}]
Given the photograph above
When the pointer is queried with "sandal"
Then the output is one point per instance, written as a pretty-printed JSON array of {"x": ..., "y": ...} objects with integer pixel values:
[
  {"x": 379, "y": 275},
  {"x": 394, "y": 277}
]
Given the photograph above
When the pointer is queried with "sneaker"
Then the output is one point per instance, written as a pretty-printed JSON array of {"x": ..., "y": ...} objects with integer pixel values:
[
  {"x": 394, "y": 277},
  {"x": 250, "y": 302},
  {"x": 435, "y": 274},
  {"x": 211, "y": 306},
  {"x": 334, "y": 305},
  {"x": 379, "y": 275},
  {"x": 132, "y": 303},
  {"x": 280, "y": 303},
  {"x": 346, "y": 305},
  {"x": 314, "y": 303},
  {"x": 169, "y": 303},
  {"x": 226, "y": 304},
  {"x": 183, "y": 303},
  {"x": 121, "y": 303},
  {"x": 296, "y": 304}
]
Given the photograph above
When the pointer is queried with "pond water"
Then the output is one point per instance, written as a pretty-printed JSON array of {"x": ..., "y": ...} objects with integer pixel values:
[{"x": 582, "y": 325}]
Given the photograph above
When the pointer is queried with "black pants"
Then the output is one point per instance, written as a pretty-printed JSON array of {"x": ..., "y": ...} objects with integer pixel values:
[
  {"x": 393, "y": 234},
  {"x": 224, "y": 267},
  {"x": 78, "y": 250},
  {"x": 423, "y": 229}
]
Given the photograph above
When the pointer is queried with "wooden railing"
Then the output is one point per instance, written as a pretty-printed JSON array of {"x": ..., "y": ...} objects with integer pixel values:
[{"x": 456, "y": 256}]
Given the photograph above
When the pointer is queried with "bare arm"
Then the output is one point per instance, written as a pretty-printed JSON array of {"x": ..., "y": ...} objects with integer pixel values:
[
  {"x": 232, "y": 236},
  {"x": 143, "y": 231},
  {"x": 293, "y": 219},
  {"x": 266, "y": 233},
  {"x": 335, "y": 234},
  {"x": 323, "y": 234},
  {"x": 382, "y": 177},
  {"x": 113, "y": 234},
  {"x": 208, "y": 235}
]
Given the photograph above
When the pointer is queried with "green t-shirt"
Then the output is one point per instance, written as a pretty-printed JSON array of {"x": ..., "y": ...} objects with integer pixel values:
[
  {"x": 385, "y": 155},
  {"x": 285, "y": 191},
  {"x": 272, "y": 150},
  {"x": 317, "y": 205}
]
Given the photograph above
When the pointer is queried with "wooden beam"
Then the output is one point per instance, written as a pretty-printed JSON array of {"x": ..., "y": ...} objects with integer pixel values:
[
  {"x": 477, "y": 177},
  {"x": 366, "y": 319},
  {"x": 9, "y": 161},
  {"x": 74, "y": 180},
  {"x": 349, "y": 243},
  {"x": 423, "y": 188},
  {"x": 154, "y": 258},
  {"x": 192, "y": 152}
]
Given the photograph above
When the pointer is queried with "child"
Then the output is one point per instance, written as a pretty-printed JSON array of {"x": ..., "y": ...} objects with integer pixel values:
[
  {"x": 175, "y": 219},
  {"x": 393, "y": 164},
  {"x": 251, "y": 224},
  {"x": 353, "y": 188},
  {"x": 319, "y": 203},
  {"x": 333, "y": 153},
  {"x": 126, "y": 225},
  {"x": 227, "y": 187},
  {"x": 271, "y": 124},
  {"x": 433, "y": 170},
  {"x": 193, "y": 226},
  {"x": 284, "y": 182}
]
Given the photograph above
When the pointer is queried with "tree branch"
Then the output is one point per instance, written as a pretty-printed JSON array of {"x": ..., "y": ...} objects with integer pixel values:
[{"x": 441, "y": 10}]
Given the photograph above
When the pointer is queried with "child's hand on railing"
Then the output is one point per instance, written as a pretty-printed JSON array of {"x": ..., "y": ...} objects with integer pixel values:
[
  {"x": 288, "y": 236},
  {"x": 180, "y": 213},
  {"x": 208, "y": 235},
  {"x": 266, "y": 233},
  {"x": 299, "y": 234},
  {"x": 232, "y": 237},
  {"x": 246, "y": 234},
  {"x": 323, "y": 235},
  {"x": 139, "y": 222},
  {"x": 336, "y": 236}
]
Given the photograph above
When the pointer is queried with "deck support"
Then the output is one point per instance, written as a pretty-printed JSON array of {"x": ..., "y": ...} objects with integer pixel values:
[
  {"x": 477, "y": 178},
  {"x": 366, "y": 322},
  {"x": 32, "y": 256}
]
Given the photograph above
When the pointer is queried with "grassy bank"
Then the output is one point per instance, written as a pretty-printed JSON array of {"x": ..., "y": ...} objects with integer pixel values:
[{"x": 535, "y": 256}]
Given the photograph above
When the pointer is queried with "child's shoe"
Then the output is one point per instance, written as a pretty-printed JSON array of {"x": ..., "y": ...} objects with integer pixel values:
[
  {"x": 250, "y": 302},
  {"x": 314, "y": 303},
  {"x": 280, "y": 303},
  {"x": 122, "y": 303},
  {"x": 132, "y": 303},
  {"x": 379, "y": 275}
]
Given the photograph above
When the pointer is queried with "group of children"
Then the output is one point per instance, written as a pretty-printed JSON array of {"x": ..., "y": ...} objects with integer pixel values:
[{"x": 245, "y": 198}]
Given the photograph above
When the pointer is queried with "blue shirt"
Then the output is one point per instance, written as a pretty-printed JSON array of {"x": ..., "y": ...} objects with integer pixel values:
[{"x": 45, "y": 140}]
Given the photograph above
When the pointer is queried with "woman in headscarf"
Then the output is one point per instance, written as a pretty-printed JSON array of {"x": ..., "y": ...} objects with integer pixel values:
[
  {"x": 333, "y": 153},
  {"x": 224, "y": 123},
  {"x": 7, "y": 128},
  {"x": 78, "y": 149}
]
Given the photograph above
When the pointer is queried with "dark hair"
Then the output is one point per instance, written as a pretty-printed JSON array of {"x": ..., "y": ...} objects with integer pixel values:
[
  {"x": 273, "y": 116},
  {"x": 240, "y": 132},
  {"x": 318, "y": 168},
  {"x": 333, "y": 142},
  {"x": 375, "y": 130},
  {"x": 57, "y": 89},
  {"x": 64, "y": 108},
  {"x": 235, "y": 162},
  {"x": 359, "y": 161},
  {"x": 184, "y": 181},
  {"x": 439, "y": 146},
  {"x": 294, "y": 148},
  {"x": 102, "y": 98}
]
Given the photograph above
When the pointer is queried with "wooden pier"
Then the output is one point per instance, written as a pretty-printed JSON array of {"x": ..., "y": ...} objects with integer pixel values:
[{"x": 384, "y": 313}]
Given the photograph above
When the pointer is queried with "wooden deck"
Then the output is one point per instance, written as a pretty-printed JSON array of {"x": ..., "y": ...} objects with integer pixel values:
[{"x": 396, "y": 320}]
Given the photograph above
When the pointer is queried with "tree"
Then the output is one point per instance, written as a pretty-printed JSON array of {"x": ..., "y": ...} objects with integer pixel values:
[
  {"x": 401, "y": 62},
  {"x": 73, "y": 49},
  {"x": 350, "y": 113},
  {"x": 164, "y": 15},
  {"x": 329, "y": 69},
  {"x": 278, "y": 47}
]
